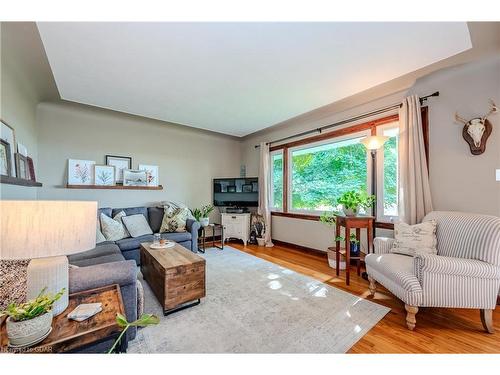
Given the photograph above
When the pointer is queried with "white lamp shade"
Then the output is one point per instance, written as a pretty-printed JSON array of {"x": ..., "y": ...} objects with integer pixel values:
[
  {"x": 374, "y": 142},
  {"x": 38, "y": 229}
]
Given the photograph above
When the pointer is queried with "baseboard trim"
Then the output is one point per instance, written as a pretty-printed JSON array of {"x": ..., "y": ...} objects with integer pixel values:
[{"x": 300, "y": 247}]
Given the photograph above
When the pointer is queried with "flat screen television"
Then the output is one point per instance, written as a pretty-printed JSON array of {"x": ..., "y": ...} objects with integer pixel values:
[{"x": 236, "y": 192}]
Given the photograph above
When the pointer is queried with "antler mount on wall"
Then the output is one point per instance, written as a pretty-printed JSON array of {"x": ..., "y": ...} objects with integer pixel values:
[{"x": 477, "y": 130}]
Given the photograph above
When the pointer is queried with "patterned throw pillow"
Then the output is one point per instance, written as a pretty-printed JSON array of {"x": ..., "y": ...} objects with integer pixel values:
[
  {"x": 99, "y": 237},
  {"x": 174, "y": 220},
  {"x": 415, "y": 239},
  {"x": 137, "y": 225},
  {"x": 113, "y": 228}
]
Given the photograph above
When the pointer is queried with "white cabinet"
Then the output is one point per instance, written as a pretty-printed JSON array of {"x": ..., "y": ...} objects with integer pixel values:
[{"x": 236, "y": 226}]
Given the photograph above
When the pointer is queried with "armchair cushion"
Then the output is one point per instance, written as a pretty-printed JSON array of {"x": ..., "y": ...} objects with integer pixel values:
[
  {"x": 455, "y": 266},
  {"x": 397, "y": 273}
]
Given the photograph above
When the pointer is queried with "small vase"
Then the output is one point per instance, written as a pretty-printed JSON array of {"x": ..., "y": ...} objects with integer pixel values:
[
  {"x": 204, "y": 221},
  {"x": 350, "y": 211},
  {"x": 28, "y": 332},
  {"x": 354, "y": 249}
]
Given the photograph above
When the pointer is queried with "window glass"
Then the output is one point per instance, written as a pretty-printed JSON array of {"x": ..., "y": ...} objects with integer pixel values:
[{"x": 277, "y": 180}]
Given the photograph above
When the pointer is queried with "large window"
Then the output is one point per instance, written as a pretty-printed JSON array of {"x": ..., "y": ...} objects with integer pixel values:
[
  {"x": 387, "y": 207},
  {"x": 320, "y": 173},
  {"x": 277, "y": 180}
]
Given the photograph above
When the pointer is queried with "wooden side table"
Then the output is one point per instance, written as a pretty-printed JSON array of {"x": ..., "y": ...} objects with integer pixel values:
[
  {"x": 69, "y": 335},
  {"x": 352, "y": 222}
]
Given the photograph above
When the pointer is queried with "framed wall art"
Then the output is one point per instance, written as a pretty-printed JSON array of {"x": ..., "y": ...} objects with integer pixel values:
[
  {"x": 7, "y": 134},
  {"x": 31, "y": 168},
  {"x": 80, "y": 172},
  {"x": 133, "y": 177},
  {"x": 5, "y": 158},
  {"x": 21, "y": 166},
  {"x": 120, "y": 163},
  {"x": 104, "y": 175},
  {"x": 152, "y": 171}
]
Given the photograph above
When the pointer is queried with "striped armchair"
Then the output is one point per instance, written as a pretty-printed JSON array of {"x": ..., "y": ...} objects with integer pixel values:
[{"x": 464, "y": 274}]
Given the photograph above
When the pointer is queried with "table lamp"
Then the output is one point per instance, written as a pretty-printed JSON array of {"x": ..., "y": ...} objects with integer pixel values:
[{"x": 45, "y": 232}]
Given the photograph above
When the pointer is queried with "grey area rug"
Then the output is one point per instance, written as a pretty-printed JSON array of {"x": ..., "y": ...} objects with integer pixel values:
[{"x": 255, "y": 306}]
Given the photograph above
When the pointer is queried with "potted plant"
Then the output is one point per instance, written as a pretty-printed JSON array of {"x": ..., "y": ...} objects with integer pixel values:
[
  {"x": 352, "y": 201},
  {"x": 201, "y": 214},
  {"x": 30, "y": 322},
  {"x": 353, "y": 242},
  {"x": 143, "y": 321}
]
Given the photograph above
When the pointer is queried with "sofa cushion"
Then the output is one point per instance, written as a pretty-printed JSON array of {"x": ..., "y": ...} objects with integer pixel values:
[
  {"x": 174, "y": 221},
  {"x": 106, "y": 211},
  {"x": 113, "y": 228},
  {"x": 177, "y": 237},
  {"x": 397, "y": 273},
  {"x": 155, "y": 218},
  {"x": 137, "y": 225},
  {"x": 104, "y": 248},
  {"x": 132, "y": 211},
  {"x": 98, "y": 260},
  {"x": 133, "y": 243}
]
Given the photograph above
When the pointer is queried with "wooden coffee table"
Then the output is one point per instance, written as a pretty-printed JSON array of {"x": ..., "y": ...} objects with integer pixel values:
[
  {"x": 176, "y": 275},
  {"x": 69, "y": 335}
]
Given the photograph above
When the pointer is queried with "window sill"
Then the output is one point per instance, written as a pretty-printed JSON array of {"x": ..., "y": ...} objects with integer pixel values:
[{"x": 378, "y": 224}]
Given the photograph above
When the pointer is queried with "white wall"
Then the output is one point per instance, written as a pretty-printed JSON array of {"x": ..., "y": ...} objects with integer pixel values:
[
  {"x": 459, "y": 181},
  {"x": 188, "y": 159}
]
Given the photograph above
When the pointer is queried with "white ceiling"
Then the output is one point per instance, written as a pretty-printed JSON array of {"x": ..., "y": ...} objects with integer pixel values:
[{"x": 236, "y": 78}]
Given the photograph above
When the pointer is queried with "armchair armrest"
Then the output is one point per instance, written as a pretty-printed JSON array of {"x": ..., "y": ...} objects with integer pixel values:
[
  {"x": 455, "y": 266},
  {"x": 383, "y": 245},
  {"x": 91, "y": 277}
]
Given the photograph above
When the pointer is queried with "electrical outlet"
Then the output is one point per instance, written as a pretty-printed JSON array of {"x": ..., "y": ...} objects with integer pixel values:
[{"x": 498, "y": 174}]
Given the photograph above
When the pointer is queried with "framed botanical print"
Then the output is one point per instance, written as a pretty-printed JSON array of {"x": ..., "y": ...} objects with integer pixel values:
[
  {"x": 135, "y": 178},
  {"x": 152, "y": 171},
  {"x": 5, "y": 161},
  {"x": 120, "y": 163},
  {"x": 104, "y": 175},
  {"x": 7, "y": 134},
  {"x": 80, "y": 172},
  {"x": 22, "y": 166}
]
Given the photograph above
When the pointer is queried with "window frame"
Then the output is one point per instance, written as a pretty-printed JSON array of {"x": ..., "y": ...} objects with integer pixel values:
[
  {"x": 271, "y": 180},
  {"x": 290, "y": 150},
  {"x": 381, "y": 217},
  {"x": 372, "y": 125}
]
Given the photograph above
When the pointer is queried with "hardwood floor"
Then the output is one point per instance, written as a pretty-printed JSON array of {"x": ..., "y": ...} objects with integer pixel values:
[{"x": 438, "y": 330}]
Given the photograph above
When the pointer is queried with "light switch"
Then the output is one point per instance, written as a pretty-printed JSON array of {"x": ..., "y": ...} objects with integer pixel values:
[{"x": 498, "y": 174}]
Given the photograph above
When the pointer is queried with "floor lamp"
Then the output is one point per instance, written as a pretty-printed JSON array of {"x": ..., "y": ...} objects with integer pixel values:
[
  {"x": 45, "y": 232},
  {"x": 372, "y": 144}
]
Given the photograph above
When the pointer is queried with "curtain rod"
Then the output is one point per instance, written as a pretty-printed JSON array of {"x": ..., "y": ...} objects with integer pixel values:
[{"x": 351, "y": 119}]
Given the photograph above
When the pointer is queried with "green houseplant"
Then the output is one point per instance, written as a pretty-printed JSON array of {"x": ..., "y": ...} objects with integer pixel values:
[
  {"x": 30, "y": 322},
  {"x": 352, "y": 201},
  {"x": 201, "y": 214},
  {"x": 143, "y": 321}
]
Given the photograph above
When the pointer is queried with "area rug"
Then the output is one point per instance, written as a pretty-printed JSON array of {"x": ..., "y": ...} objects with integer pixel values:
[{"x": 255, "y": 306}]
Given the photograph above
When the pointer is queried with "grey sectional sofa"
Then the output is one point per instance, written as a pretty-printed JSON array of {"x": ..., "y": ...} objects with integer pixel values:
[{"x": 116, "y": 262}]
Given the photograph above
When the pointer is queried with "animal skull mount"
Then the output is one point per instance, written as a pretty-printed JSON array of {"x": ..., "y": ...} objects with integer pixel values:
[{"x": 477, "y": 130}]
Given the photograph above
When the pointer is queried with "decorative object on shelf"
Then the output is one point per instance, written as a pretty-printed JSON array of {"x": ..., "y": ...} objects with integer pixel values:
[
  {"x": 21, "y": 166},
  {"x": 133, "y": 177},
  {"x": 42, "y": 232},
  {"x": 202, "y": 214},
  {"x": 7, "y": 134},
  {"x": 143, "y": 321},
  {"x": 80, "y": 172},
  {"x": 104, "y": 175},
  {"x": 153, "y": 174},
  {"x": 22, "y": 149},
  {"x": 246, "y": 188},
  {"x": 477, "y": 130},
  {"x": 352, "y": 201},
  {"x": 31, "y": 168},
  {"x": 231, "y": 189},
  {"x": 5, "y": 161},
  {"x": 30, "y": 322},
  {"x": 120, "y": 163}
]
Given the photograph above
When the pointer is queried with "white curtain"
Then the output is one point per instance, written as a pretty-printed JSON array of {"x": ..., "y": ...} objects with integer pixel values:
[
  {"x": 414, "y": 191},
  {"x": 264, "y": 191}
]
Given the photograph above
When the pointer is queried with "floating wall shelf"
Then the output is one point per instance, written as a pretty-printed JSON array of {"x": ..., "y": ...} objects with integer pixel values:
[
  {"x": 9, "y": 180},
  {"x": 115, "y": 187}
]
